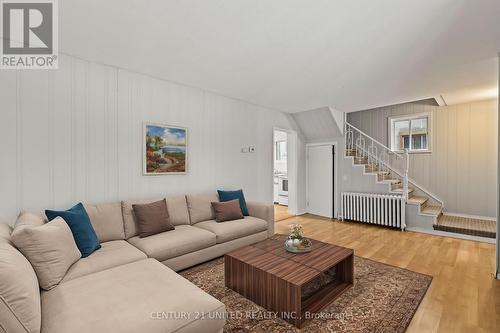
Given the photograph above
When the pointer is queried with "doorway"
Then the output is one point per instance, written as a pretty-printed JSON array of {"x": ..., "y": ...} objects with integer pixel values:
[
  {"x": 321, "y": 180},
  {"x": 284, "y": 173}
]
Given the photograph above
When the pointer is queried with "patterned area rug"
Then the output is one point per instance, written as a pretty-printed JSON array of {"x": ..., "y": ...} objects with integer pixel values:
[{"x": 384, "y": 299}]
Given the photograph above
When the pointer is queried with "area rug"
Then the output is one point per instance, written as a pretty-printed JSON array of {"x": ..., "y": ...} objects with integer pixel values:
[{"x": 383, "y": 299}]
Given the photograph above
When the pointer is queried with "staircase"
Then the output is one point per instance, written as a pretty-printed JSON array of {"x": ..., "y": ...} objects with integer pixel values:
[
  {"x": 424, "y": 210},
  {"x": 427, "y": 208}
]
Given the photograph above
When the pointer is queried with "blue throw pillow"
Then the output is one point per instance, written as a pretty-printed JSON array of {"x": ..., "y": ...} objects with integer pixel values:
[
  {"x": 79, "y": 222},
  {"x": 231, "y": 195}
]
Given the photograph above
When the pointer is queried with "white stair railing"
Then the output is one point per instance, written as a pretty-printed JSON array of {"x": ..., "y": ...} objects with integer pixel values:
[
  {"x": 360, "y": 148},
  {"x": 384, "y": 162},
  {"x": 349, "y": 139},
  {"x": 372, "y": 157},
  {"x": 378, "y": 155},
  {"x": 388, "y": 161}
]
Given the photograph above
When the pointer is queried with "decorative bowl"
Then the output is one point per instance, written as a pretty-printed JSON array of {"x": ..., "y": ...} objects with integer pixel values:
[{"x": 294, "y": 249}]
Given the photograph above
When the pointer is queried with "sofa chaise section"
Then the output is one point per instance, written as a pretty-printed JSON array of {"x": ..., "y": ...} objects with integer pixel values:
[
  {"x": 143, "y": 296},
  {"x": 111, "y": 254}
]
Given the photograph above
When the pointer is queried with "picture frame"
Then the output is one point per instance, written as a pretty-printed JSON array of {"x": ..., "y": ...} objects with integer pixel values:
[{"x": 165, "y": 149}]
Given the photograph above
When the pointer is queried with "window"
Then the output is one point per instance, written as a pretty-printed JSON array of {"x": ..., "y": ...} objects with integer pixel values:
[
  {"x": 411, "y": 132},
  {"x": 280, "y": 150}
]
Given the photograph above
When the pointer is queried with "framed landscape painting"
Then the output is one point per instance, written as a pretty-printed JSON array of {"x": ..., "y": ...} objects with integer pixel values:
[{"x": 165, "y": 149}]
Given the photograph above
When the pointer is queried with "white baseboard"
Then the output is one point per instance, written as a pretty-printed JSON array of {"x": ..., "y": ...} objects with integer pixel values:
[
  {"x": 301, "y": 213},
  {"x": 453, "y": 235},
  {"x": 478, "y": 217}
]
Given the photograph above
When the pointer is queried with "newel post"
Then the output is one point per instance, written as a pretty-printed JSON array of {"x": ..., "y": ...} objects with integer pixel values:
[{"x": 405, "y": 180}]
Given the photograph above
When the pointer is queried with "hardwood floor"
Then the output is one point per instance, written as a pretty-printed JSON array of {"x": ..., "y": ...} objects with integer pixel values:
[
  {"x": 281, "y": 213},
  {"x": 463, "y": 296}
]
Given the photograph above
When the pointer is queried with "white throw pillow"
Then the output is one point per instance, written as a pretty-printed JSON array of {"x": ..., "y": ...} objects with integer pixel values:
[{"x": 50, "y": 248}]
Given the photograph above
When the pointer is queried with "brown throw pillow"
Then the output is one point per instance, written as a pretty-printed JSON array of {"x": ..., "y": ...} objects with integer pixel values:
[
  {"x": 152, "y": 218},
  {"x": 227, "y": 210}
]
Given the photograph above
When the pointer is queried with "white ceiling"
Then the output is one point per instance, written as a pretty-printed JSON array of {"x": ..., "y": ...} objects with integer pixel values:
[{"x": 295, "y": 55}]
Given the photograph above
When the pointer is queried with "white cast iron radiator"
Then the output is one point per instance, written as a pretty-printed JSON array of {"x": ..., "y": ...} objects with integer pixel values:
[{"x": 382, "y": 209}]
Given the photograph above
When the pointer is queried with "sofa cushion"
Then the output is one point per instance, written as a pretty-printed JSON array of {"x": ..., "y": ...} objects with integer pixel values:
[
  {"x": 152, "y": 218},
  {"x": 182, "y": 240},
  {"x": 5, "y": 231},
  {"x": 79, "y": 222},
  {"x": 200, "y": 206},
  {"x": 233, "y": 229},
  {"x": 177, "y": 210},
  {"x": 137, "y": 297},
  {"x": 111, "y": 254},
  {"x": 19, "y": 291},
  {"x": 107, "y": 221},
  {"x": 50, "y": 248}
]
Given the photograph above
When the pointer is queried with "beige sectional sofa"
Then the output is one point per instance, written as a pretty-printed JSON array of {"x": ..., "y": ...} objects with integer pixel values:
[{"x": 130, "y": 284}]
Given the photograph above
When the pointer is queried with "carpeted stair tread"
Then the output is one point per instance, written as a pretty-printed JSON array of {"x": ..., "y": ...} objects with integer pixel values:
[
  {"x": 400, "y": 190},
  {"x": 391, "y": 181},
  {"x": 467, "y": 226},
  {"x": 417, "y": 200},
  {"x": 431, "y": 210}
]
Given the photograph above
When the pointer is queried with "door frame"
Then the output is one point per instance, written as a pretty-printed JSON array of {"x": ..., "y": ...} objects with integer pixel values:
[
  {"x": 292, "y": 150},
  {"x": 335, "y": 174}
]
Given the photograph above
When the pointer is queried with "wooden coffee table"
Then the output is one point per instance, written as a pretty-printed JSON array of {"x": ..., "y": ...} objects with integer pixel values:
[{"x": 292, "y": 285}]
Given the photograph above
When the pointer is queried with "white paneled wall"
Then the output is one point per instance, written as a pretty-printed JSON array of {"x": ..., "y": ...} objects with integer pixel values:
[
  {"x": 75, "y": 134},
  {"x": 461, "y": 170}
]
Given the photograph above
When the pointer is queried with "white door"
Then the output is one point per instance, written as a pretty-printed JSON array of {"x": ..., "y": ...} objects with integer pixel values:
[{"x": 320, "y": 180}]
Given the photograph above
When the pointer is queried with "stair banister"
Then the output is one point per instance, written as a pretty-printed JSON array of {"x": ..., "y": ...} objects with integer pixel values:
[
  {"x": 429, "y": 193},
  {"x": 374, "y": 140},
  {"x": 403, "y": 173},
  {"x": 385, "y": 150}
]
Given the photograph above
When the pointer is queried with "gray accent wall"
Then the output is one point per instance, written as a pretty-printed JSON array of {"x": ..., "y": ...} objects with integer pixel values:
[{"x": 462, "y": 167}]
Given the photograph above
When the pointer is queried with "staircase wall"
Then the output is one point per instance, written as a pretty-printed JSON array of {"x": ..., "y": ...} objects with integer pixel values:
[
  {"x": 354, "y": 179},
  {"x": 461, "y": 170}
]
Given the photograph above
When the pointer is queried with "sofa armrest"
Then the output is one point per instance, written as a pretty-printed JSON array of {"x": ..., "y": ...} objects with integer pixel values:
[{"x": 264, "y": 212}]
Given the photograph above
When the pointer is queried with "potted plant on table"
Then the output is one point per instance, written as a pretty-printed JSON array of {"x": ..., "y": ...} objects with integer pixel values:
[{"x": 296, "y": 241}]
